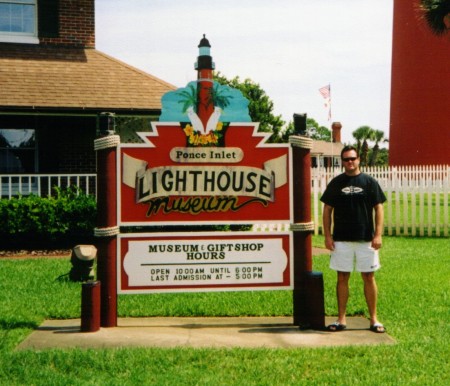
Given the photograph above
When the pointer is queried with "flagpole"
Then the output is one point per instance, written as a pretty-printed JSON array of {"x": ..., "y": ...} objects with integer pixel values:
[
  {"x": 331, "y": 129},
  {"x": 326, "y": 93}
]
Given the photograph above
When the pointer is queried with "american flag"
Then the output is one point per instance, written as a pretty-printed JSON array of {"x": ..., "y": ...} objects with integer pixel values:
[{"x": 325, "y": 91}]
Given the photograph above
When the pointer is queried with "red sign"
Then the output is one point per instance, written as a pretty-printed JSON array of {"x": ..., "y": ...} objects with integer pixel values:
[{"x": 229, "y": 175}]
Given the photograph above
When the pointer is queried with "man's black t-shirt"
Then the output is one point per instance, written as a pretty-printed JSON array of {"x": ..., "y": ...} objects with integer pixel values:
[{"x": 353, "y": 199}]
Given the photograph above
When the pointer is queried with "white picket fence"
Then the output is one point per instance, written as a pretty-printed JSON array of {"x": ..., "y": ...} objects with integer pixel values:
[{"x": 417, "y": 198}]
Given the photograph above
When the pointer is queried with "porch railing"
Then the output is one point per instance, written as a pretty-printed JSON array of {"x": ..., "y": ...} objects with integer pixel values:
[{"x": 43, "y": 185}]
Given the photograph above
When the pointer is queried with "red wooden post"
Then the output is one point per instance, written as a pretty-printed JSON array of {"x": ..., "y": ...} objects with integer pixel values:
[
  {"x": 308, "y": 296},
  {"x": 107, "y": 229},
  {"x": 90, "y": 306}
]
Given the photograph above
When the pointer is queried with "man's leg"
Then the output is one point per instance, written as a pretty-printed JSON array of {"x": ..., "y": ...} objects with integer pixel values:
[
  {"x": 341, "y": 260},
  {"x": 371, "y": 294},
  {"x": 342, "y": 293}
]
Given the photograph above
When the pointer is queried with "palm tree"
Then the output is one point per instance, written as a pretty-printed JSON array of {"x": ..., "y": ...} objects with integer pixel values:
[
  {"x": 437, "y": 15},
  {"x": 218, "y": 96},
  {"x": 378, "y": 137},
  {"x": 188, "y": 97},
  {"x": 358, "y": 135},
  {"x": 363, "y": 134}
]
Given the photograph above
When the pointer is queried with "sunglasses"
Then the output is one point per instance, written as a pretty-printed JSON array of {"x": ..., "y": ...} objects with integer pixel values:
[{"x": 349, "y": 159}]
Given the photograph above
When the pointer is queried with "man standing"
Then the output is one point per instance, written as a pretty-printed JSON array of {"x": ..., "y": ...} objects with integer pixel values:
[{"x": 350, "y": 200}]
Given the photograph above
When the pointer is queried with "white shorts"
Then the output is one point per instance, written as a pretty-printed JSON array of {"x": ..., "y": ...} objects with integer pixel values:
[{"x": 346, "y": 252}]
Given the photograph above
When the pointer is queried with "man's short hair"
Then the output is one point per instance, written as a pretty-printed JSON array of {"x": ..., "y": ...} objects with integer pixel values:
[{"x": 349, "y": 148}]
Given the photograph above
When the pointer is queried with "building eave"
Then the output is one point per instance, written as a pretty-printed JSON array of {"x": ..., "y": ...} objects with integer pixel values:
[{"x": 48, "y": 77}]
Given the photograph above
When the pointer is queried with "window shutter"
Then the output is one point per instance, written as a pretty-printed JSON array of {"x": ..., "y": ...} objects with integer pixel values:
[{"x": 48, "y": 18}]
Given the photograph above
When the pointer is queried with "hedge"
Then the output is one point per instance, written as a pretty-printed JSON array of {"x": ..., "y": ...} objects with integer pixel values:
[{"x": 61, "y": 221}]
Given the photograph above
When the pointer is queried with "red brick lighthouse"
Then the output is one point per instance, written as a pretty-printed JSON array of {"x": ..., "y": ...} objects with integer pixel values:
[
  {"x": 204, "y": 67},
  {"x": 420, "y": 88}
]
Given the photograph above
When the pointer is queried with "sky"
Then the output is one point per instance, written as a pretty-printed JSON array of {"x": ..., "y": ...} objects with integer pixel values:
[{"x": 291, "y": 48}]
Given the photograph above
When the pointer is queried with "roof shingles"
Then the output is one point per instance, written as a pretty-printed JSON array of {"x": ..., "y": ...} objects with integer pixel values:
[{"x": 68, "y": 78}]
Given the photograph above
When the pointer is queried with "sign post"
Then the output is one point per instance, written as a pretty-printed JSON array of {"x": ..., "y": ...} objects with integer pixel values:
[
  {"x": 308, "y": 297},
  {"x": 107, "y": 229}
]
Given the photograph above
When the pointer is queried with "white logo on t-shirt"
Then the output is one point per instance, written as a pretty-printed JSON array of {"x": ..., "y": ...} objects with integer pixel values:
[{"x": 352, "y": 190}]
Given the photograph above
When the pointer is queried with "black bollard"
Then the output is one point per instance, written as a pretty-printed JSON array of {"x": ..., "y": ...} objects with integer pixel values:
[{"x": 309, "y": 301}]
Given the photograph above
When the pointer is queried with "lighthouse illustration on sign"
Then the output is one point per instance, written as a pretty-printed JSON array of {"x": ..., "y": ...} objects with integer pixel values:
[
  {"x": 205, "y": 107},
  {"x": 205, "y": 161}
]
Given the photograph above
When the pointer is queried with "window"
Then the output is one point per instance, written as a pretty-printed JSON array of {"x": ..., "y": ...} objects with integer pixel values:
[
  {"x": 18, "y": 21},
  {"x": 17, "y": 151}
]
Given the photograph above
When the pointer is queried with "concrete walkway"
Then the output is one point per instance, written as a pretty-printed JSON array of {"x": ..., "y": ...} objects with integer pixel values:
[
  {"x": 196, "y": 332},
  {"x": 226, "y": 332}
]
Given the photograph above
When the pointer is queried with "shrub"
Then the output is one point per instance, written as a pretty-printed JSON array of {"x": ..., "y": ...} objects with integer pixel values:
[{"x": 64, "y": 220}]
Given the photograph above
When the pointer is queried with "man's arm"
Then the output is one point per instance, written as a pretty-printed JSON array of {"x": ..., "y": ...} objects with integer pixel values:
[
  {"x": 379, "y": 220},
  {"x": 326, "y": 222}
]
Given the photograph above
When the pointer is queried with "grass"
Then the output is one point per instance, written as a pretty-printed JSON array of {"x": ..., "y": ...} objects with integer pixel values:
[{"x": 414, "y": 304}]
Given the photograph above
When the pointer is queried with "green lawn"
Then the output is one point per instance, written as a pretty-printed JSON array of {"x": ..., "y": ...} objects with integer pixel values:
[{"x": 414, "y": 304}]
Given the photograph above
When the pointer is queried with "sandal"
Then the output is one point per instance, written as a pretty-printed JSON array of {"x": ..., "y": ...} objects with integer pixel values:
[
  {"x": 336, "y": 326},
  {"x": 378, "y": 328}
]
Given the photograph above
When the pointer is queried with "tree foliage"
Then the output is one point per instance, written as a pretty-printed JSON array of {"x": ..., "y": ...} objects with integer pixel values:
[
  {"x": 380, "y": 159},
  {"x": 317, "y": 132},
  {"x": 313, "y": 131},
  {"x": 437, "y": 15},
  {"x": 260, "y": 105},
  {"x": 378, "y": 137},
  {"x": 363, "y": 135}
]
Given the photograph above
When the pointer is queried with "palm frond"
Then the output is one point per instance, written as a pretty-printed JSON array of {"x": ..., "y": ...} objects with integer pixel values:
[
  {"x": 435, "y": 12},
  {"x": 188, "y": 97}
]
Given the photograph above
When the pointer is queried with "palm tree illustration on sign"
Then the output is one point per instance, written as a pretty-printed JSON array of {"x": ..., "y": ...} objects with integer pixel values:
[{"x": 197, "y": 134}]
